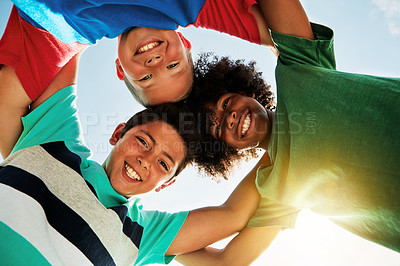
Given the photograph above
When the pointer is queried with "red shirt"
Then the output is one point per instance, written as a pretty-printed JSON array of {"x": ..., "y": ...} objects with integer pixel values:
[
  {"x": 36, "y": 55},
  {"x": 230, "y": 16}
]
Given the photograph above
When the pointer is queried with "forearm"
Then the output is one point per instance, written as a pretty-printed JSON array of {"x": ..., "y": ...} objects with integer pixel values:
[
  {"x": 246, "y": 247},
  {"x": 14, "y": 103},
  {"x": 202, "y": 257},
  {"x": 286, "y": 16},
  {"x": 208, "y": 225},
  {"x": 244, "y": 200},
  {"x": 265, "y": 36}
]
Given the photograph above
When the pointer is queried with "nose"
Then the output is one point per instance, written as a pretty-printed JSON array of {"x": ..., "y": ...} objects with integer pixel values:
[
  {"x": 154, "y": 60},
  {"x": 143, "y": 163},
  {"x": 231, "y": 119}
]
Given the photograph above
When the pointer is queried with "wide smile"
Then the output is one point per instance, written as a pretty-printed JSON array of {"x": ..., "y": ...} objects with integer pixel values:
[
  {"x": 131, "y": 173},
  {"x": 150, "y": 45},
  {"x": 245, "y": 123}
]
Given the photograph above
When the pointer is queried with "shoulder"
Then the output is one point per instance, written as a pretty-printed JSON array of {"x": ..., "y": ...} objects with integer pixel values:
[{"x": 301, "y": 51}]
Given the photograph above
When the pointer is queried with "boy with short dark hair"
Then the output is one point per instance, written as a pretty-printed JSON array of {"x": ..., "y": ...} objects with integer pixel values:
[
  {"x": 60, "y": 207},
  {"x": 42, "y": 36}
]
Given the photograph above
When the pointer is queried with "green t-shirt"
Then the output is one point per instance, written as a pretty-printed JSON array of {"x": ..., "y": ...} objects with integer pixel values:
[
  {"x": 57, "y": 120},
  {"x": 335, "y": 144}
]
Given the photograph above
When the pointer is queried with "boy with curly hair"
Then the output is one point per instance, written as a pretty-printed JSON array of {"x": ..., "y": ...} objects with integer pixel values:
[{"x": 331, "y": 146}]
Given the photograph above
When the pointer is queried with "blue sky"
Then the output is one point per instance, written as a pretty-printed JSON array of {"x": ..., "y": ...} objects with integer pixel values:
[{"x": 367, "y": 40}]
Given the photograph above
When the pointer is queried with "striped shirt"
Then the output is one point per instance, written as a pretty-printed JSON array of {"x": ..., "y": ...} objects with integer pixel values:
[{"x": 58, "y": 207}]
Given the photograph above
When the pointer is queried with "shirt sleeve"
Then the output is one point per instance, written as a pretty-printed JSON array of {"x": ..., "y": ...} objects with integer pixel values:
[
  {"x": 271, "y": 212},
  {"x": 88, "y": 21},
  {"x": 56, "y": 119},
  {"x": 35, "y": 54},
  {"x": 296, "y": 50},
  {"x": 230, "y": 16},
  {"x": 160, "y": 229}
]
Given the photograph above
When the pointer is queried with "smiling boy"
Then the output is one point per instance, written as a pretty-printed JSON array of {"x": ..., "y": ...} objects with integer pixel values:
[
  {"x": 156, "y": 65},
  {"x": 144, "y": 52},
  {"x": 60, "y": 207},
  {"x": 149, "y": 58},
  {"x": 332, "y": 144}
]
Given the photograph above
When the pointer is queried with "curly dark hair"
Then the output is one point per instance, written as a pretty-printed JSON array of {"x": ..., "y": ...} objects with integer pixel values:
[{"x": 213, "y": 77}]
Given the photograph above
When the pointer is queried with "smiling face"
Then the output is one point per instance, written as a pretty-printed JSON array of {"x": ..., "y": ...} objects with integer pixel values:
[
  {"x": 240, "y": 121},
  {"x": 145, "y": 158},
  {"x": 154, "y": 62}
]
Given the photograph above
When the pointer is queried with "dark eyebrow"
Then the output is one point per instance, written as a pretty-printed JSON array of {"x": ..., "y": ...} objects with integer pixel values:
[{"x": 154, "y": 143}]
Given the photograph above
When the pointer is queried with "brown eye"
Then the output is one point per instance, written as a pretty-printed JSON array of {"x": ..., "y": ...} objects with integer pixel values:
[
  {"x": 143, "y": 142},
  {"x": 146, "y": 77},
  {"x": 225, "y": 103},
  {"x": 173, "y": 65},
  {"x": 164, "y": 165},
  {"x": 217, "y": 130}
]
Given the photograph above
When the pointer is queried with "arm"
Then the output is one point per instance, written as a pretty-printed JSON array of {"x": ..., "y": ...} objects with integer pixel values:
[
  {"x": 286, "y": 16},
  {"x": 265, "y": 35},
  {"x": 208, "y": 225},
  {"x": 248, "y": 245},
  {"x": 14, "y": 102}
]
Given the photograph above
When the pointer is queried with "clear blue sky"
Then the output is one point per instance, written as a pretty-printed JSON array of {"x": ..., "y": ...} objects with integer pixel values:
[{"x": 367, "y": 40}]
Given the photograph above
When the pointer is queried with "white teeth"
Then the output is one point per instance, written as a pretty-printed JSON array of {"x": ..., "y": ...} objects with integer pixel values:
[
  {"x": 246, "y": 124},
  {"x": 131, "y": 173},
  {"x": 146, "y": 47}
]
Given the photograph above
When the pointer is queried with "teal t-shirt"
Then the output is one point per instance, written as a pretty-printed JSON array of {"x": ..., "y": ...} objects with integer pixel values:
[
  {"x": 57, "y": 120},
  {"x": 335, "y": 145}
]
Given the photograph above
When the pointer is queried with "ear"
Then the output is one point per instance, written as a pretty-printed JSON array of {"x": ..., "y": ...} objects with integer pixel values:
[
  {"x": 120, "y": 71},
  {"x": 116, "y": 134},
  {"x": 185, "y": 41},
  {"x": 166, "y": 184}
]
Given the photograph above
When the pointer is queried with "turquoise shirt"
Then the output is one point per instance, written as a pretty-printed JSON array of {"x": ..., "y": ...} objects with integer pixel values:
[{"x": 57, "y": 120}]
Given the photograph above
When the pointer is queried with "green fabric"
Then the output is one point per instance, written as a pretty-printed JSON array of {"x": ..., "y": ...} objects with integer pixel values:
[
  {"x": 156, "y": 239},
  {"x": 57, "y": 120},
  {"x": 54, "y": 120},
  {"x": 335, "y": 145},
  {"x": 20, "y": 248}
]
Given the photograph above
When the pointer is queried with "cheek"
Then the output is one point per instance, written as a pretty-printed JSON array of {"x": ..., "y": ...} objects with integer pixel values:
[
  {"x": 129, "y": 149},
  {"x": 134, "y": 71},
  {"x": 177, "y": 50},
  {"x": 231, "y": 140},
  {"x": 159, "y": 177}
]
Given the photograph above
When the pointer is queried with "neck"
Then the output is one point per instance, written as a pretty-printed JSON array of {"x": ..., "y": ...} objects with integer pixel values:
[{"x": 264, "y": 144}]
